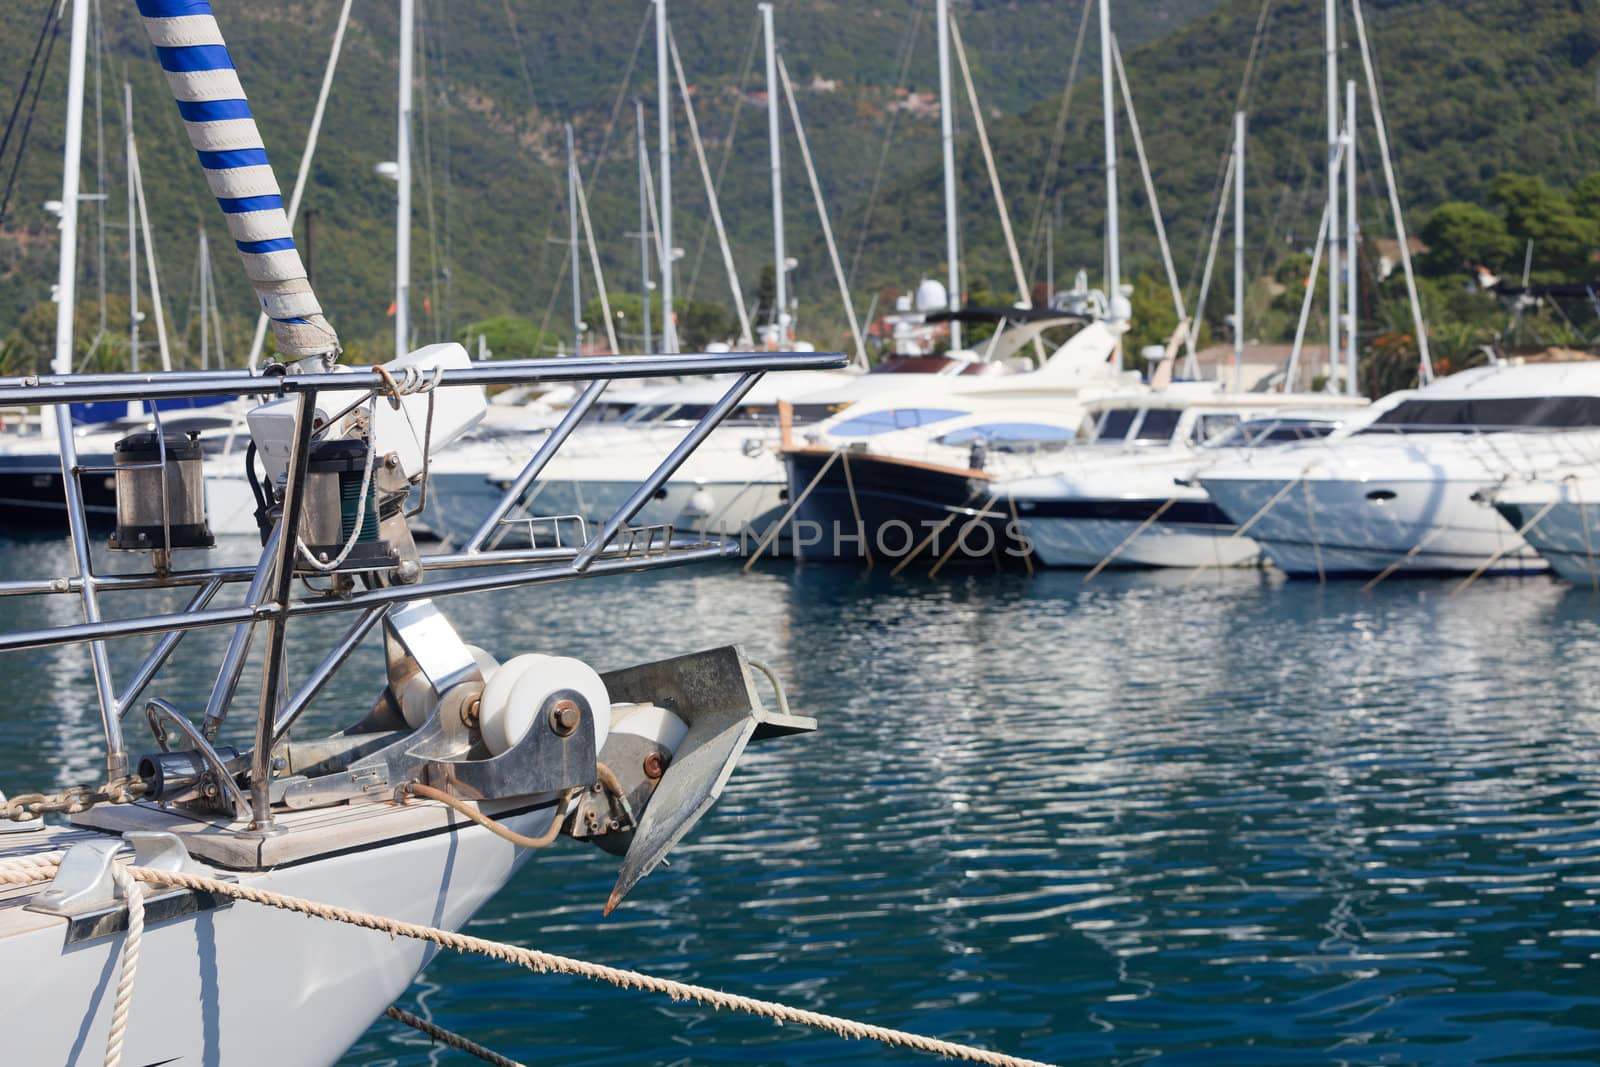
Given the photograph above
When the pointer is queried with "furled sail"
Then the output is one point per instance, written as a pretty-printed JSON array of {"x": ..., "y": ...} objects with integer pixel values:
[{"x": 224, "y": 135}]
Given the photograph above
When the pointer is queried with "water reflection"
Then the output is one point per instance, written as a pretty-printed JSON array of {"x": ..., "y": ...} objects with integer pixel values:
[{"x": 1238, "y": 820}]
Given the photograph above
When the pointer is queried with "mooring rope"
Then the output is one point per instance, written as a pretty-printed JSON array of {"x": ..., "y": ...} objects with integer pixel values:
[
  {"x": 34, "y": 869},
  {"x": 1504, "y": 550},
  {"x": 128, "y": 966},
  {"x": 26, "y": 870},
  {"x": 1426, "y": 540},
  {"x": 961, "y": 535},
  {"x": 1244, "y": 527},
  {"x": 1126, "y": 541},
  {"x": 450, "y": 1038},
  {"x": 777, "y": 527}
]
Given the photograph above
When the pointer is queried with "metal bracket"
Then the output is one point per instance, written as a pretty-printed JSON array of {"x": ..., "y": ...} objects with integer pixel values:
[
  {"x": 715, "y": 693},
  {"x": 84, "y": 893}
]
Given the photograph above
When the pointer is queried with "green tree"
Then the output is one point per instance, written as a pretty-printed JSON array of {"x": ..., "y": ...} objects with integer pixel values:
[
  {"x": 1153, "y": 316},
  {"x": 1461, "y": 236},
  {"x": 1586, "y": 197},
  {"x": 1563, "y": 240},
  {"x": 702, "y": 322},
  {"x": 508, "y": 337}
]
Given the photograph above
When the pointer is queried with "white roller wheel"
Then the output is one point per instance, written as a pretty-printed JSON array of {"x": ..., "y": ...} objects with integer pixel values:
[
  {"x": 518, "y": 690},
  {"x": 417, "y": 699},
  {"x": 651, "y": 723}
]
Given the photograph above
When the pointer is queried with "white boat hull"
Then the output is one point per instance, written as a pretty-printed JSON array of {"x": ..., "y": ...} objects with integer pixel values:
[
  {"x": 1086, "y": 543},
  {"x": 1362, "y": 527},
  {"x": 1567, "y": 536},
  {"x": 249, "y": 985}
]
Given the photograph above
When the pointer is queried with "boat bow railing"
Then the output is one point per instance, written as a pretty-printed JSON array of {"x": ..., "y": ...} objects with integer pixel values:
[{"x": 614, "y": 547}]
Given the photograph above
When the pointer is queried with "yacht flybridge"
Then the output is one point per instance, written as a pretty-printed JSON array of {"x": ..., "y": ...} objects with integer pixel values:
[{"x": 438, "y": 787}]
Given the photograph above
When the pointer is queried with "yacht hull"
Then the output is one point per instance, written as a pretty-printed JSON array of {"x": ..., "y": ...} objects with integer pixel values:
[
  {"x": 249, "y": 985},
  {"x": 1567, "y": 537},
  {"x": 1085, "y": 533},
  {"x": 31, "y": 494},
  {"x": 906, "y": 508},
  {"x": 1333, "y": 527}
]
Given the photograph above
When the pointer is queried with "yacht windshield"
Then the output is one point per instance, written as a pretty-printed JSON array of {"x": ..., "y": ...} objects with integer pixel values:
[
  {"x": 1489, "y": 413},
  {"x": 1113, "y": 427},
  {"x": 1010, "y": 436},
  {"x": 891, "y": 419},
  {"x": 1158, "y": 424},
  {"x": 1263, "y": 432}
]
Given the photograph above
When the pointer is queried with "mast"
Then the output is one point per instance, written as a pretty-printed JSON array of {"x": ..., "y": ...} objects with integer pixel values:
[
  {"x": 1380, "y": 128},
  {"x": 952, "y": 250},
  {"x": 1238, "y": 247},
  {"x": 1331, "y": 31},
  {"x": 780, "y": 313},
  {"x": 1108, "y": 105},
  {"x": 669, "y": 326},
  {"x": 205, "y": 301},
  {"x": 61, "y": 363},
  {"x": 1050, "y": 256},
  {"x": 644, "y": 216},
  {"x": 99, "y": 164},
  {"x": 572, "y": 243},
  {"x": 1351, "y": 237},
  {"x": 402, "y": 223},
  {"x": 133, "y": 229}
]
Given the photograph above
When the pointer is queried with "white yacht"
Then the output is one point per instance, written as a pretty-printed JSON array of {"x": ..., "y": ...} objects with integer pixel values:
[
  {"x": 1560, "y": 517},
  {"x": 734, "y": 484},
  {"x": 1127, "y": 495},
  {"x": 914, "y": 461},
  {"x": 1399, "y": 490}
]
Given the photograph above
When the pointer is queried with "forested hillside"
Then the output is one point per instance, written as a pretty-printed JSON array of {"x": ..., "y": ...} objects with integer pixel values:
[{"x": 1471, "y": 90}]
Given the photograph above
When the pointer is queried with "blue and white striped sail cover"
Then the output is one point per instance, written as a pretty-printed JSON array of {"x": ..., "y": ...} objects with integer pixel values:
[{"x": 223, "y": 132}]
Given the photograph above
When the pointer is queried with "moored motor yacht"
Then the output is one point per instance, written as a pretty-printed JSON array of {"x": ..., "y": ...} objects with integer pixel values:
[
  {"x": 1559, "y": 516},
  {"x": 1128, "y": 496},
  {"x": 891, "y": 478},
  {"x": 1398, "y": 492},
  {"x": 734, "y": 485}
]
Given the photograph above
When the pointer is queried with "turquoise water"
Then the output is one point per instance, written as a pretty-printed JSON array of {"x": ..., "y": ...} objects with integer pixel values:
[{"x": 1243, "y": 822}]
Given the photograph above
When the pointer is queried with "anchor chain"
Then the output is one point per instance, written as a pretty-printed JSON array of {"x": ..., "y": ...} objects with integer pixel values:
[{"x": 74, "y": 799}]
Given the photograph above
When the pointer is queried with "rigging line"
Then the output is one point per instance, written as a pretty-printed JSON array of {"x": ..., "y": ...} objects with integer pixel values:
[
  {"x": 727, "y": 154},
  {"x": 594, "y": 261},
  {"x": 27, "y": 123},
  {"x": 549, "y": 309},
  {"x": 888, "y": 142},
  {"x": 1241, "y": 103},
  {"x": 1150, "y": 194},
  {"x": 622, "y": 95},
  {"x": 745, "y": 335},
  {"x": 441, "y": 39},
  {"x": 1024, "y": 295},
  {"x": 1047, "y": 189},
  {"x": 50, "y": 19},
  {"x": 822, "y": 216},
  {"x": 304, "y": 171},
  {"x": 533, "y": 101}
]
